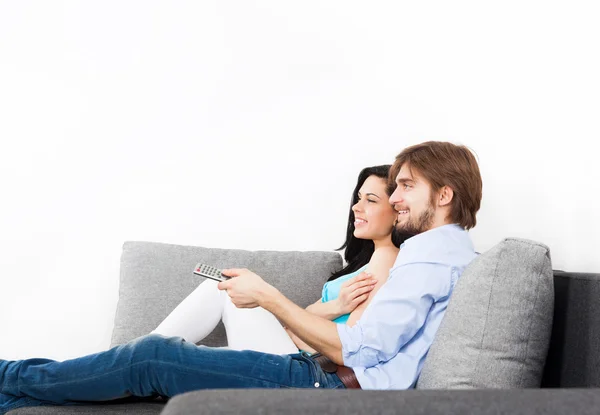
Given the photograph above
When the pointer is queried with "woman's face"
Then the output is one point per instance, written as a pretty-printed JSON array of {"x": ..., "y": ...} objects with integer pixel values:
[{"x": 373, "y": 215}]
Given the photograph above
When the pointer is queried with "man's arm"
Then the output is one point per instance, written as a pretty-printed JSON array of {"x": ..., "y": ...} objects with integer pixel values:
[
  {"x": 317, "y": 332},
  {"x": 248, "y": 290},
  {"x": 396, "y": 314}
]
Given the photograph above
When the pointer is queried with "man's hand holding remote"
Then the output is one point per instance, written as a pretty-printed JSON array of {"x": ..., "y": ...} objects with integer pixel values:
[{"x": 246, "y": 289}]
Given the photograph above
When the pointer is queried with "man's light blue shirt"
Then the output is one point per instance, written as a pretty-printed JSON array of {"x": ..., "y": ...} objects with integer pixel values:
[{"x": 388, "y": 344}]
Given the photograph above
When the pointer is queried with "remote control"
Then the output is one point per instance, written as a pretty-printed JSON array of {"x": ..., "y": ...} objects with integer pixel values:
[{"x": 210, "y": 272}]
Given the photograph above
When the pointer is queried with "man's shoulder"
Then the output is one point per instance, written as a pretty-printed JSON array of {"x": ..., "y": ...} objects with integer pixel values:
[{"x": 448, "y": 245}]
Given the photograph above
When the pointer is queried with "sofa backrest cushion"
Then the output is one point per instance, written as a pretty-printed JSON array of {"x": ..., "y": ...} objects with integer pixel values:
[
  {"x": 156, "y": 277},
  {"x": 497, "y": 326}
]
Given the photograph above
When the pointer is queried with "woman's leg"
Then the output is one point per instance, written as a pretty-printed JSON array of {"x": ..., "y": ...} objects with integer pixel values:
[
  {"x": 196, "y": 316},
  {"x": 247, "y": 329},
  {"x": 255, "y": 329}
]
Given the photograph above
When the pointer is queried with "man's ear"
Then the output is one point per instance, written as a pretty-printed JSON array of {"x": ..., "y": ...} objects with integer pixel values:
[{"x": 445, "y": 196}]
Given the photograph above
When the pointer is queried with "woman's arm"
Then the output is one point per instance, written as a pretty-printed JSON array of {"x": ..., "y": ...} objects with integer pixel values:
[
  {"x": 329, "y": 310},
  {"x": 352, "y": 293},
  {"x": 380, "y": 265},
  {"x": 299, "y": 343}
]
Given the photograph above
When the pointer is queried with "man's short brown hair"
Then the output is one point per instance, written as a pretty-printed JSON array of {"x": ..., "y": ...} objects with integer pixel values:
[{"x": 446, "y": 164}]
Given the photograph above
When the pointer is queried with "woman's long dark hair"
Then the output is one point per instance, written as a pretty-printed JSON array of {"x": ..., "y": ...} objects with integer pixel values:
[{"x": 359, "y": 251}]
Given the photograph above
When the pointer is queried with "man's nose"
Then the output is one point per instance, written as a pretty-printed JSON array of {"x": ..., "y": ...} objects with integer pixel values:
[{"x": 396, "y": 197}]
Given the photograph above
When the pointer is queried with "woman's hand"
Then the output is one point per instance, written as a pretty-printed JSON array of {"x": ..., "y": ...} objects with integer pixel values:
[{"x": 355, "y": 291}]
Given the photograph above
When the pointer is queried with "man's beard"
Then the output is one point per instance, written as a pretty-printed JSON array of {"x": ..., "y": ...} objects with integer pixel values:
[{"x": 419, "y": 225}]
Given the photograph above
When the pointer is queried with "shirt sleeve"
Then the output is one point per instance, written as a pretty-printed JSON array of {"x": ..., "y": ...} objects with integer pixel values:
[{"x": 397, "y": 312}]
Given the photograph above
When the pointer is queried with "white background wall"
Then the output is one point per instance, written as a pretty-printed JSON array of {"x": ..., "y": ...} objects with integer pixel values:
[{"x": 243, "y": 124}]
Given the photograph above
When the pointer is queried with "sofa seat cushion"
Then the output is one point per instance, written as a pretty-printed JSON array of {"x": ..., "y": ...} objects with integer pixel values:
[{"x": 407, "y": 402}]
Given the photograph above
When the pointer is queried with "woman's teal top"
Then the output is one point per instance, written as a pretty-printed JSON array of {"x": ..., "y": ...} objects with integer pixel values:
[{"x": 331, "y": 291}]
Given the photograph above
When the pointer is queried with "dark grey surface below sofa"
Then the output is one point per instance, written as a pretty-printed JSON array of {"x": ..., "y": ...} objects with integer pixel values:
[{"x": 148, "y": 268}]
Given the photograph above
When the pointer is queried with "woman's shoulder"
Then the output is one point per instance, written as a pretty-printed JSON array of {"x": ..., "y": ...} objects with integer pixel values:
[
  {"x": 331, "y": 289},
  {"x": 352, "y": 274},
  {"x": 339, "y": 280},
  {"x": 383, "y": 260}
]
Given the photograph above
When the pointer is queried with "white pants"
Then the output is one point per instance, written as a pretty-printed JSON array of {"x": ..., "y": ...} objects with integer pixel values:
[{"x": 247, "y": 328}]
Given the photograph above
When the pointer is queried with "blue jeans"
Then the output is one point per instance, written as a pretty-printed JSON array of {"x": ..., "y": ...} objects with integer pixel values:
[{"x": 149, "y": 367}]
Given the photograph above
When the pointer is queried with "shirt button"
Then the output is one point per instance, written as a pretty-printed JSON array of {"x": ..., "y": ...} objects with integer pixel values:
[{"x": 317, "y": 384}]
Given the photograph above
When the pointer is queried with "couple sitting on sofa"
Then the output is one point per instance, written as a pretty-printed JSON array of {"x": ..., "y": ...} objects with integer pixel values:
[{"x": 384, "y": 324}]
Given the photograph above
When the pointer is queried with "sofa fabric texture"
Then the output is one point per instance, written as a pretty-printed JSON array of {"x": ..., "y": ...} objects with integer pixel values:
[
  {"x": 130, "y": 408},
  {"x": 409, "y": 402},
  {"x": 498, "y": 323}
]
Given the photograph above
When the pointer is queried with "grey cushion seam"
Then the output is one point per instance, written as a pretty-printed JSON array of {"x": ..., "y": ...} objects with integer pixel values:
[
  {"x": 527, "y": 242},
  {"x": 487, "y": 315},
  {"x": 534, "y": 307}
]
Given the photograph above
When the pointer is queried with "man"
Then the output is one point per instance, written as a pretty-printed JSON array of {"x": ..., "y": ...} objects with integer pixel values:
[{"x": 437, "y": 196}]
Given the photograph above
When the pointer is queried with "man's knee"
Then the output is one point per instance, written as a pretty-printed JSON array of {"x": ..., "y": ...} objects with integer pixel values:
[
  {"x": 144, "y": 359},
  {"x": 153, "y": 346}
]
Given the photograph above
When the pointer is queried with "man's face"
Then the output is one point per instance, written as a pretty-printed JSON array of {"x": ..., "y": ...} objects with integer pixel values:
[{"x": 412, "y": 199}]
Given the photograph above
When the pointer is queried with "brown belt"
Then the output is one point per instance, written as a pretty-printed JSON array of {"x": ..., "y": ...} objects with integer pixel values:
[{"x": 346, "y": 374}]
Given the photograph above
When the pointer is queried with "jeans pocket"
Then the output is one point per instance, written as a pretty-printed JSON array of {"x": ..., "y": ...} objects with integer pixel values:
[
  {"x": 324, "y": 378},
  {"x": 314, "y": 377}
]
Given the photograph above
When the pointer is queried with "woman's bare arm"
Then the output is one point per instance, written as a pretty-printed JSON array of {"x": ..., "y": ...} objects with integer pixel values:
[
  {"x": 379, "y": 266},
  {"x": 329, "y": 310},
  {"x": 299, "y": 343},
  {"x": 353, "y": 294}
]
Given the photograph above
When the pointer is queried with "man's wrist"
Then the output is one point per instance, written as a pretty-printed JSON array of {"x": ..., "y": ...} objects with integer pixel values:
[{"x": 268, "y": 297}]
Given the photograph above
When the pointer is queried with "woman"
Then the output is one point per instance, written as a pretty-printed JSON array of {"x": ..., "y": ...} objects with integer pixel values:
[{"x": 371, "y": 249}]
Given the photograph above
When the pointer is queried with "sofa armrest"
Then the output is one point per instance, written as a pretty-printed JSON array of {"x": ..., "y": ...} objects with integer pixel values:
[{"x": 574, "y": 353}]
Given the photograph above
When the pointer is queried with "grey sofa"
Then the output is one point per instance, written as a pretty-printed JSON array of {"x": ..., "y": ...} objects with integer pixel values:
[{"x": 156, "y": 277}]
